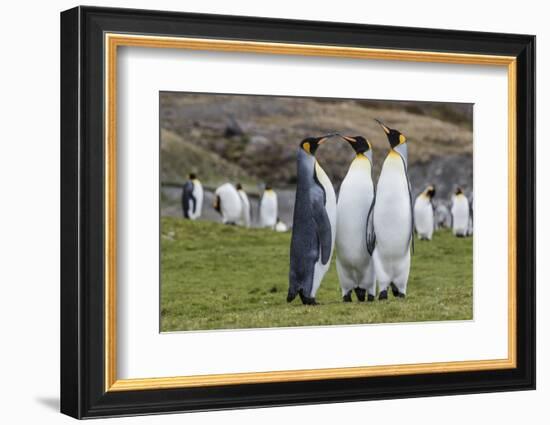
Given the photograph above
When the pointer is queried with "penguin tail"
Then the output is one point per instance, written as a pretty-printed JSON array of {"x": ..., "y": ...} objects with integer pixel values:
[
  {"x": 293, "y": 292},
  {"x": 291, "y": 295}
]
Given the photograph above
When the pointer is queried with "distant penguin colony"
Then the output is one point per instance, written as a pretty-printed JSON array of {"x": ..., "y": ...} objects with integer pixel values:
[
  {"x": 192, "y": 197},
  {"x": 313, "y": 228},
  {"x": 353, "y": 262},
  {"x": 424, "y": 214},
  {"x": 233, "y": 205},
  {"x": 371, "y": 225}
]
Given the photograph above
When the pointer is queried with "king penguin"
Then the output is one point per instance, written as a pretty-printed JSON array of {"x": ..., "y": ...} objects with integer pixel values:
[
  {"x": 280, "y": 226},
  {"x": 471, "y": 220},
  {"x": 442, "y": 217},
  {"x": 192, "y": 197},
  {"x": 353, "y": 262},
  {"x": 245, "y": 212},
  {"x": 424, "y": 214},
  {"x": 314, "y": 224},
  {"x": 460, "y": 213},
  {"x": 228, "y": 203},
  {"x": 390, "y": 223},
  {"x": 268, "y": 208}
]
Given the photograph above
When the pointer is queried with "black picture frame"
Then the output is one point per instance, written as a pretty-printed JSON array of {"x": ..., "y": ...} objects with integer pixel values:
[{"x": 83, "y": 392}]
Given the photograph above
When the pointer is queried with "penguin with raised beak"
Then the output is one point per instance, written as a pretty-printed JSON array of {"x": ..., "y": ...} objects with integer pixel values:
[{"x": 390, "y": 223}]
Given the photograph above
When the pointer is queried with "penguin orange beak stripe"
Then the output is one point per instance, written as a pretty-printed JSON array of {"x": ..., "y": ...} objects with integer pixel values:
[
  {"x": 328, "y": 136},
  {"x": 325, "y": 138},
  {"x": 386, "y": 129},
  {"x": 349, "y": 139}
]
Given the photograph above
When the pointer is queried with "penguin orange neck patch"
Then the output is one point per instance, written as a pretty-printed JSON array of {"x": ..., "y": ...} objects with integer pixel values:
[{"x": 394, "y": 153}]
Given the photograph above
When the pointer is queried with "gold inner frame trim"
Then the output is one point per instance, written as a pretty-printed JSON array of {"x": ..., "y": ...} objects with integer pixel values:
[{"x": 113, "y": 41}]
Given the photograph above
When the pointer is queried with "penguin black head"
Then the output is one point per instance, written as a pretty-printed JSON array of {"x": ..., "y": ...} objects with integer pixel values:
[
  {"x": 459, "y": 191},
  {"x": 394, "y": 136},
  {"x": 358, "y": 143},
  {"x": 267, "y": 186},
  {"x": 430, "y": 191},
  {"x": 310, "y": 144},
  {"x": 192, "y": 176},
  {"x": 239, "y": 186}
]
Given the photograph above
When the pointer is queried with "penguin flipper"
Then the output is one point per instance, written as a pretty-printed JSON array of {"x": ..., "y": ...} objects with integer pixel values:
[
  {"x": 185, "y": 205},
  {"x": 322, "y": 223},
  {"x": 434, "y": 216},
  {"x": 187, "y": 196},
  {"x": 192, "y": 197},
  {"x": 218, "y": 204},
  {"x": 371, "y": 235}
]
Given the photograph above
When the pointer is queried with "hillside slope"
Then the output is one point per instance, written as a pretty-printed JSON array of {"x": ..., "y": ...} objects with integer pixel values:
[
  {"x": 179, "y": 157},
  {"x": 260, "y": 134}
]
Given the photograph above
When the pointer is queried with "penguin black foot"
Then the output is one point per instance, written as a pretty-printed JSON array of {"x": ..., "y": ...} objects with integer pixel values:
[
  {"x": 360, "y": 292},
  {"x": 383, "y": 295},
  {"x": 347, "y": 298},
  {"x": 394, "y": 289},
  {"x": 396, "y": 292},
  {"x": 370, "y": 298},
  {"x": 307, "y": 300}
]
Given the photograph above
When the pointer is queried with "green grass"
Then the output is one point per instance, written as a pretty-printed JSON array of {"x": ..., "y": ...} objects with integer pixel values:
[{"x": 226, "y": 277}]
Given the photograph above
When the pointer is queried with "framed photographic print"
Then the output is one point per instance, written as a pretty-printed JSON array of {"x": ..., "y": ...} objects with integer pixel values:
[{"x": 261, "y": 212}]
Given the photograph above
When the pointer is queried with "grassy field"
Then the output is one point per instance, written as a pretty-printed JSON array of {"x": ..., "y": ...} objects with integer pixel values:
[{"x": 226, "y": 277}]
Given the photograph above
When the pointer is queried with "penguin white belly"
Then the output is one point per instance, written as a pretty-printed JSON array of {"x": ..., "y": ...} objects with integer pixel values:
[
  {"x": 423, "y": 217},
  {"x": 354, "y": 202},
  {"x": 392, "y": 225},
  {"x": 443, "y": 217},
  {"x": 198, "y": 193},
  {"x": 245, "y": 210},
  {"x": 330, "y": 207},
  {"x": 268, "y": 209},
  {"x": 231, "y": 207},
  {"x": 461, "y": 214}
]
